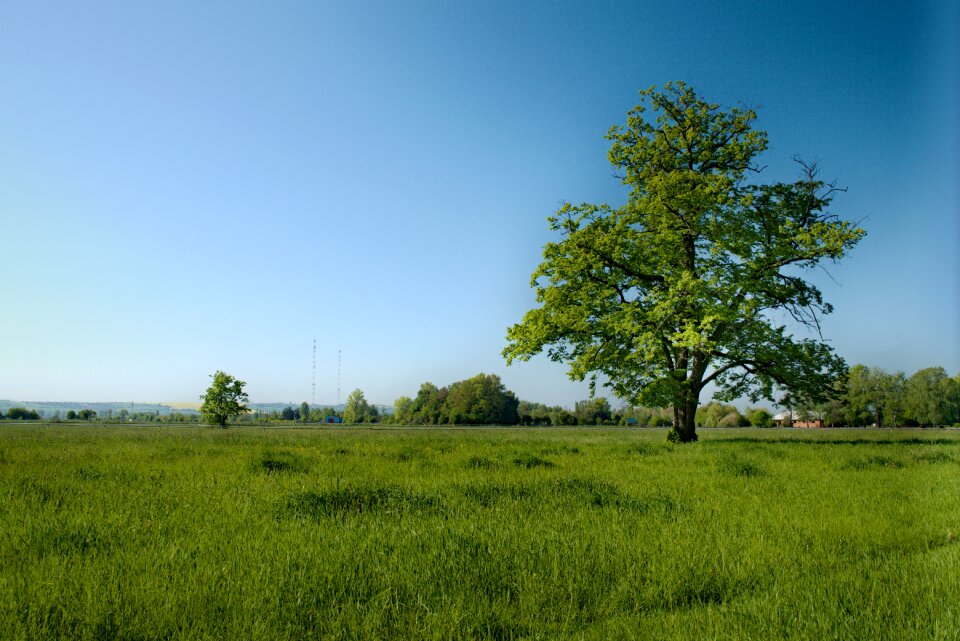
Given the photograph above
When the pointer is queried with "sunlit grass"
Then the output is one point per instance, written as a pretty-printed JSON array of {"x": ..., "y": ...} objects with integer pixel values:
[{"x": 189, "y": 533}]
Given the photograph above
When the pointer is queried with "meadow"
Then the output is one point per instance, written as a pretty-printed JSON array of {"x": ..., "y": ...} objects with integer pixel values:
[{"x": 348, "y": 533}]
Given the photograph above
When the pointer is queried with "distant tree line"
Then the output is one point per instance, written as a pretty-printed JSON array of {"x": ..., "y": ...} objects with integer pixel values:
[
  {"x": 594, "y": 411},
  {"x": 20, "y": 414},
  {"x": 23, "y": 414},
  {"x": 290, "y": 414},
  {"x": 873, "y": 396},
  {"x": 867, "y": 396}
]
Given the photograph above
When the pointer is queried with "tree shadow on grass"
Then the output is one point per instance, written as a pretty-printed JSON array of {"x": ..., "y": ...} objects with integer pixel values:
[{"x": 831, "y": 441}]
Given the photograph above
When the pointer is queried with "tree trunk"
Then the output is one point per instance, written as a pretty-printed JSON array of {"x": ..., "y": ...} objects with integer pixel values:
[{"x": 684, "y": 416}]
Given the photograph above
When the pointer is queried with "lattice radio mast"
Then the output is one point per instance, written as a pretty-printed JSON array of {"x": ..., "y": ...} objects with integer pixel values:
[
  {"x": 338, "y": 377},
  {"x": 313, "y": 382}
]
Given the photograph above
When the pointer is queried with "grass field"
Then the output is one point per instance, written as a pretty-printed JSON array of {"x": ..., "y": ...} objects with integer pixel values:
[{"x": 192, "y": 533}]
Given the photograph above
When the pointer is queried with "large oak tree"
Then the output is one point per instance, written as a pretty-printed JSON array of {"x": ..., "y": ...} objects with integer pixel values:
[{"x": 694, "y": 279}]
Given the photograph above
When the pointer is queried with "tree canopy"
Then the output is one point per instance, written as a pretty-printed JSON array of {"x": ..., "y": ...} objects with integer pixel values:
[
  {"x": 224, "y": 399},
  {"x": 692, "y": 281},
  {"x": 480, "y": 400},
  {"x": 21, "y": 414},
  {"x": 358, "y": 410}
]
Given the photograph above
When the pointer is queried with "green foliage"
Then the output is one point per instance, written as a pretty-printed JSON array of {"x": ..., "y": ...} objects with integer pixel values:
[
  {"x": 541, "y": 414},
  {"x": 358, "y": 410},
  {"x": 403, "y": 410},
  {"x": 223, "y": 400},
  {"x": 873, "y": 396},
  {"x": 760, "y": 417},
  {"x": 22, "y": 414},
  {"x": 428, "y": 405},
  {"x": 715, "y": 414},
  {"x": 324, "y": 412},
  {"x": 481, "y": 400},
  {"x": 929, "y": 394},
  {"x": 595, "y": 411},
  {"x": 678, "y": 288},
  {"x": 646, "y": 416}
]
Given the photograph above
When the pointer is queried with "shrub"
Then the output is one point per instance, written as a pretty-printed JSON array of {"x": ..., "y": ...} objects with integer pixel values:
[
  {"x": 531, "y": 460},
  {"x": 760, "y": 418},
  {"x": 22, "y": 414}
]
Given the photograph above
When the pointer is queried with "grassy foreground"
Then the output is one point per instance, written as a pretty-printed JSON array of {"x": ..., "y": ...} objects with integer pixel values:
[{"x": 191, "y": 533}]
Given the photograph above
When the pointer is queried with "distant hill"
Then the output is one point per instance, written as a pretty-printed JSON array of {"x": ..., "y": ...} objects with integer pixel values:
[
  {"x": 185, "y": 406},
  {"x": 50, "y": 409},
  {"x": 279, "y": 407},
  {"x": 337, "y": 407}
]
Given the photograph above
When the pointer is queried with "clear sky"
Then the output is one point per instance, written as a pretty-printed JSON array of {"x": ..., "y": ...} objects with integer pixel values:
[{"x": 193, "y": 186}]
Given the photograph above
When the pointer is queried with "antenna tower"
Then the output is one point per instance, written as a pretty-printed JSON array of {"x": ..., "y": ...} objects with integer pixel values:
[
  {"x": 313, "y": 382},
  {"x": 338, "y": 377}
]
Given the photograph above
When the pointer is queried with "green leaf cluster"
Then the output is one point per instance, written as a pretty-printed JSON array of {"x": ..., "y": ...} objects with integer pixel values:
[
  {"x": 358, "y": 410},
  {"x": 223, "y": 400},
  {"x": 480, "y": 400}
]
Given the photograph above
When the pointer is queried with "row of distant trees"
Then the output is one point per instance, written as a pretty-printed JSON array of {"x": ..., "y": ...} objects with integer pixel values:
[
  {"x": 357, "y": 410},
  {"x": 873, "y": 396},
  {"x": 867, "y": 396},
  {"x": 23, "y": 414}
]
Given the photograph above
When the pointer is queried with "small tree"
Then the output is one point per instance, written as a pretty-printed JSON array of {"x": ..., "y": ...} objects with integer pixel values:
[
  {"x": 760, "y": 417},
  {"x": 304, "y": 412},
  {"x": 357, "y": 410},
  {"x": 223, "y": 399}
]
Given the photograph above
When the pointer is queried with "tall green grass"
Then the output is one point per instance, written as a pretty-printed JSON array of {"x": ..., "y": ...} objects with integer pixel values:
[{"x": 188, "y": 533}]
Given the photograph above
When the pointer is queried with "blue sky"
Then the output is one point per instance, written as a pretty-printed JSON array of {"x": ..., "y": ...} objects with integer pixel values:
[{"x": 186, "y": 187}]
